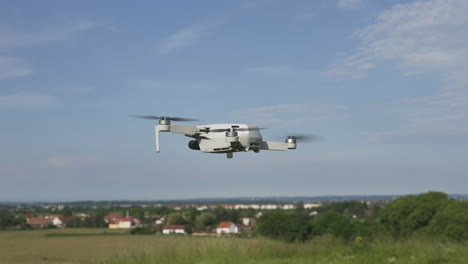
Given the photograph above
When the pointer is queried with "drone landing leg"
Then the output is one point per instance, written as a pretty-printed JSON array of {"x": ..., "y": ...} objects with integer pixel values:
[{"x": 229, "y": 155}]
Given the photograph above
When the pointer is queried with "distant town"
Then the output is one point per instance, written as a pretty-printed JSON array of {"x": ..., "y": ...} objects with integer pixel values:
[{"x": 195, "y": 217}]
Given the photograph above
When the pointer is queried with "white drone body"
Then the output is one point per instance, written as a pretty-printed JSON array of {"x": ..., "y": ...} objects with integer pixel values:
[{"x": 220, "y": 138}]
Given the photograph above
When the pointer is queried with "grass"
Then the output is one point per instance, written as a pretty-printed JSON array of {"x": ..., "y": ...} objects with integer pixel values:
[
  {"x": 104, "y": 246},
  {"x": 321, "y": 250}
]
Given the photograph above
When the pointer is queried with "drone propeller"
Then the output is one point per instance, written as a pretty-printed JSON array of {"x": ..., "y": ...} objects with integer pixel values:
[
  {"x": 235, "y": 129},
  {"x": 180, "y": 119},
  {"x": 303, "y": 138}
]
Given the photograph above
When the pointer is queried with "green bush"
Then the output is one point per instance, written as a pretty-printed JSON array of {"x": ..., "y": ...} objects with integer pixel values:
[{"x": 292, "y": 226}]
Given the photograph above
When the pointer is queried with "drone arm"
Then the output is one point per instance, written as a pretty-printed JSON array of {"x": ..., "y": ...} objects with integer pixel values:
[
  {"x": 160, "y": 128},
  {"x": 268, "y": 145},
  {"x": 184, "y": 129}
]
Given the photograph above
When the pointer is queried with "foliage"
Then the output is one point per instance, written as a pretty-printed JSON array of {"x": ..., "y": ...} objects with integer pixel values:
[
  {"x": 348, "y": 208},
  {"x": 205, "y": 221},
  {"x": 300, "y": 207},
  {"x": 188, "y": 229},
  {"x": 134, "y": 212},
  {"x": 11, "y": 220},
  {"x": 176, "y": 219},
  {"x": 333, "y": 223},
  {"x": 406, "y": 215},
  {"x": 222, "y": 214},
  {"x": 192, "y": 214},
  {"x": 289, "y": 227},
  {"x": 450, "y": 222},
  {"x": 161, "y": 210},
  {"x": 66, "y": 211}
]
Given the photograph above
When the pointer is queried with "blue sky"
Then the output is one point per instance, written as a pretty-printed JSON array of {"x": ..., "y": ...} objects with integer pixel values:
[{"x": 384, "y": 83}]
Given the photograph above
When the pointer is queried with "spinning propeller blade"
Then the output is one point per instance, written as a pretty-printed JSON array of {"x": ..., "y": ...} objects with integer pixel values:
[
  {"x": 180, "y": 119},
  {"x": 304, "y": 138},
  {"x": 207, "y": 129}
]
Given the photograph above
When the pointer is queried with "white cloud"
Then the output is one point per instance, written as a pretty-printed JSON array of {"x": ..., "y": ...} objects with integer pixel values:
[
  {"x": 13, "y": 37},
  {"x": 420, "y": 37},
  {"x": 287, "y": 114},
  {"x": 182, "y": 38},
  {"x": 27, "y": 100},
  {"x": 11, "y": 67},
  {"x": 350, "y": 4}
]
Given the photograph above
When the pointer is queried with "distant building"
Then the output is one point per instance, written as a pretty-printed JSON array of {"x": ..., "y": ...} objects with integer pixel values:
[
  {"x": 38, "y": 222},
  {"x": 227, "y": 228},
  {"x": 249, "y": 221},
  {"x": 60, "y": 221},
  {"x": 112, "y": 217},
  {"x": 126, "y": 222},
  {"x": 312, "y": 205},
  {"x": 173, "y": 229}
]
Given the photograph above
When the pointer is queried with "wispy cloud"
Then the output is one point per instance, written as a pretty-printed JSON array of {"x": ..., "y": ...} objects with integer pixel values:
[
  {"x": 27, "y": 100},
  {"x": 420, "y": 37},
  {"x": 350, "y": 4},
  {"x": 183, "y": 38},
  {"x": 11, "y": 67},
  {"x": 13, "y": 37},
  {"x": 287, "y": 114},
  {"x": 437, "y": 119}
]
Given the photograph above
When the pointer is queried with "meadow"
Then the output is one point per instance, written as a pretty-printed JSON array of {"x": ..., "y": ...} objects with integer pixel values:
[{"x": 102, "y": 246}]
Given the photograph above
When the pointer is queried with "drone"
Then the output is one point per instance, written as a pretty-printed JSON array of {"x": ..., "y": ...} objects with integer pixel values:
[{"x": 221, "y": 138}]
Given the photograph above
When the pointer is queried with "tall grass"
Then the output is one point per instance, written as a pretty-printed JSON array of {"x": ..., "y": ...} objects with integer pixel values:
[{"x": 319, "y": 250}]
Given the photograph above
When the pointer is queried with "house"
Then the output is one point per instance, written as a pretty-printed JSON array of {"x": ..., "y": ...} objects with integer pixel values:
[
  {"x": 114, "y": 224},
  {"x": 227, "y": 228},
  {"x": 126, "y": 222},
  {"x": 38, "y": 222},
  {"x": 173, "y": 229},
  {"x": 112, "y": 217}
]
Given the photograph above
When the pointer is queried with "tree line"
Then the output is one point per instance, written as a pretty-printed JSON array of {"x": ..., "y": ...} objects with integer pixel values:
[{"x": 432, "y": 214}]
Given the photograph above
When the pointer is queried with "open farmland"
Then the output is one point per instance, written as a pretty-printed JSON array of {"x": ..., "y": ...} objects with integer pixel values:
[{"x": 108, "y": 247}]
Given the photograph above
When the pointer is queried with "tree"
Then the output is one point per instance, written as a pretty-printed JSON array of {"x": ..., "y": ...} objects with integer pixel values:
[
  {"x": 75, "y": 223},
  {"x": 300, "y": 207},
  {"x": 204, "y": 221},
  {"x": 221, "y": 214},
  {"x": 188, "y": 229},
  {"x": 408, "y": 214},
  {"x": 66, "y": 211},
  {"x": 176, "y": 219},
  {"x": 333, "y": 223},
  {"x": 192, "y": 214},
  {"x": 135, "y": 212},
  {"x": 450, "y": 222},
  {"x": 249, "y": 212},
  {"x": 280, "y": 225},
  {"x": 98, "y": 218},
  {"x": 162, "y": 210}
]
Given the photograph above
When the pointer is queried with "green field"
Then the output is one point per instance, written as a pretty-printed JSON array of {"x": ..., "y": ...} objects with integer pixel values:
[{"x": 107, "y": 247}]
